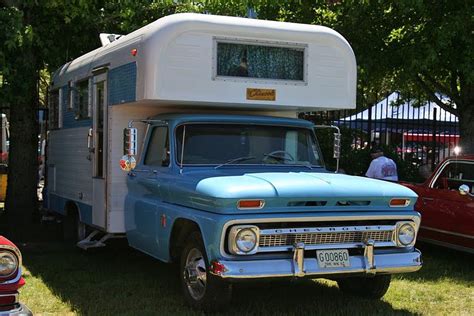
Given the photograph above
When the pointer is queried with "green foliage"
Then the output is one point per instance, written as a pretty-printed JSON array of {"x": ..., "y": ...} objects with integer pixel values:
[{"x": 355, "y": 159}]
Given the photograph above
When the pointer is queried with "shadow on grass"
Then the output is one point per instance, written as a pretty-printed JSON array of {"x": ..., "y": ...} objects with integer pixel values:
[
  {"x": 443, "y": 263},
  {"x": 119, "y": 280}
]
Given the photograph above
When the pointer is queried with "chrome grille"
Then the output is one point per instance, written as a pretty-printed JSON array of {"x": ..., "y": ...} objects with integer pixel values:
[
  {"x": 352, "y": 235},
  {"x": 324, "y": 238}
]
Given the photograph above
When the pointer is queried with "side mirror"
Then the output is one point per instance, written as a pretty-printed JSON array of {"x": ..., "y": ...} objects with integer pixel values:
[
  {"x": 128, "y": 162},
  {"x": 464, "y": 190}
]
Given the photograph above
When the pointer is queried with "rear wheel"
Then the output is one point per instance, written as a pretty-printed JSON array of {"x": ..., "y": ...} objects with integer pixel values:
[
  {"x": 201, "y": 289},
  {"x": 73, "y": 229},
  {"x": 368, "y": 287}
]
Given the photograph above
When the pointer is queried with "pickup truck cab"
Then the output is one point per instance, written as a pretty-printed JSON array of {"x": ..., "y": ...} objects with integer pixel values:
[
  {"x": 248, "y": 197},
  {"x": 183, "y": 137}
]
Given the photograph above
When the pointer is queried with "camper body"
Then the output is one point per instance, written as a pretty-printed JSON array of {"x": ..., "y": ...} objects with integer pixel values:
[{"x": 228, "y": 182}]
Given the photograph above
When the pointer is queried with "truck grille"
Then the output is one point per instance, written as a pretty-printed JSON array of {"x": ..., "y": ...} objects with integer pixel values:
[{"x": 351, "y": 237}]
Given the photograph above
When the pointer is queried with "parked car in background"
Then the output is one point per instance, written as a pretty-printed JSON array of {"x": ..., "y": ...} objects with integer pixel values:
[
  {"x": 10, "y": 279},
  {"x": 446, "y": 203}
]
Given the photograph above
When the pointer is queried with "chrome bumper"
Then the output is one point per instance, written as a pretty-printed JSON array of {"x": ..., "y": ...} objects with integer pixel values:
[
  {"x": 367, "y": 264},
  {"x": 21, "y": 310}
]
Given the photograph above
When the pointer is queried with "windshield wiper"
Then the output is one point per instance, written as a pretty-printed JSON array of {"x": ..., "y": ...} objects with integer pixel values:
[
  {"x": 302, "y": 165},
  {"x": 239, "y": 159}
]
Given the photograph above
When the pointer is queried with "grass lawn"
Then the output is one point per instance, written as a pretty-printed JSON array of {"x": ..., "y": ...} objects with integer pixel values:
[{"x": 118, "y": 280}]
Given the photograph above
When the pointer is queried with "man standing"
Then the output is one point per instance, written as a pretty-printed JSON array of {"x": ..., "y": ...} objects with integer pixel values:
[{"x": 381, "y": 167}]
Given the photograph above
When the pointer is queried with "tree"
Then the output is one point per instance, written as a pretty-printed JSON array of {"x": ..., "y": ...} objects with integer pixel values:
[
  {"x": 33, "y": 36},
  {"x": 36, "y": 37},
  {"x": 421, "y": 48},
  {"x": 19, "y": 92},
  {"x": 434, "y": 50}
]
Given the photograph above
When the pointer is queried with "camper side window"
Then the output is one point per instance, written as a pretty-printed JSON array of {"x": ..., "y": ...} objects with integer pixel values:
[
  {"x": 260, "y": 61},
  {"x": 54, "y": 109},
  {"x": 158, "y": 152},
  {"x": 81, "y": 100}
]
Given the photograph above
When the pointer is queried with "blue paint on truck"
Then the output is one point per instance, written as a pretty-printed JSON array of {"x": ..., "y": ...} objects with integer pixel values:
[{"x": 208, "y": 196}]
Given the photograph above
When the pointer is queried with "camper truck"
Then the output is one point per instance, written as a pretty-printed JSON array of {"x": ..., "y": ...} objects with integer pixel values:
[{"x": 183, "y": 138}]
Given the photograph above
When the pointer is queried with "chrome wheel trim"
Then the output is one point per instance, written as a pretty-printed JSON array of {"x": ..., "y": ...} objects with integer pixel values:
[{"x": 195, "y": 274}]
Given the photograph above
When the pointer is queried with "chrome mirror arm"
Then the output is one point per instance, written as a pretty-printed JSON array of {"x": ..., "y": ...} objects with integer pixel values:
[{"x": 337, "y": 143}]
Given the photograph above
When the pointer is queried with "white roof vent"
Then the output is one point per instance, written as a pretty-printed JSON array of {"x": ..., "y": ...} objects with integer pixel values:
[{"x": 106, "y": 38}]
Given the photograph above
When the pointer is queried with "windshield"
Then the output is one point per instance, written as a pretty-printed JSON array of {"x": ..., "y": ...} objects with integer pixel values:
[{"x": 219, "y": 144}]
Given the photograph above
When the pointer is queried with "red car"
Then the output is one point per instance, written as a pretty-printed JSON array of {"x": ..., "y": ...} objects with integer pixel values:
[
  {"x": 446, "y": 204},
  {"x": 10, "y": 279}
]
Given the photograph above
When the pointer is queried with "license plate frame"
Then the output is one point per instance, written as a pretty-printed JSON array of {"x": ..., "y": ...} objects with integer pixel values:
[{"x": 333, "y": 258}]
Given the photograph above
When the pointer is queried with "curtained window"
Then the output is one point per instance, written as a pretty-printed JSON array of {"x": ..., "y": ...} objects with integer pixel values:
[{"x": 259, "y": 61}]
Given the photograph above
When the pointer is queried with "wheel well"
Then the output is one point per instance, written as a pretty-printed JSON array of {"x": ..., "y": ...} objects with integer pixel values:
[
  {"x": 182, "y": 228},
  {"x": 71, "y": 208}
]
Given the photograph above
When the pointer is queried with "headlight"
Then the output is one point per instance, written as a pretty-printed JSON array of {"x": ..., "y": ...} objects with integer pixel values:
[
  {"x": 243, "y": 240},
  {"x": 406, "y": 233},
  {"x": 8, "y": 264}
]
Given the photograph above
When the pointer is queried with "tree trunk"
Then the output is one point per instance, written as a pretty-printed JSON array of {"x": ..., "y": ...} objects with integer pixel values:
[
  {"x": 466, "y": 118},
  {"x": 21, "y": 201}
]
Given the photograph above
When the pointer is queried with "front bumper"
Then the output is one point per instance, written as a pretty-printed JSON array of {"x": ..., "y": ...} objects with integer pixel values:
[
  {"x": 368, "y": 264},
  {"x": 19, "y": 310}
]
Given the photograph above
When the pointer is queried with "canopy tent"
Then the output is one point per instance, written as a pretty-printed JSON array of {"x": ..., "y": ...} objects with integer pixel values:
[{"x": 389, "y": 115}]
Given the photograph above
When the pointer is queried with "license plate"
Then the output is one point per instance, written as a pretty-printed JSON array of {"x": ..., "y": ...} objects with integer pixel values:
[{"x": 333, "y": 258}]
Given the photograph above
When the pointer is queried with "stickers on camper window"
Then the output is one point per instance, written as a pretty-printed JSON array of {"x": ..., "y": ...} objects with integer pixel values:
[{"x": 261, "y": 94}]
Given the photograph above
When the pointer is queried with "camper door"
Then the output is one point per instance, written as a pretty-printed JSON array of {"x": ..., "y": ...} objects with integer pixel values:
[{"x": 99, "y": 156}]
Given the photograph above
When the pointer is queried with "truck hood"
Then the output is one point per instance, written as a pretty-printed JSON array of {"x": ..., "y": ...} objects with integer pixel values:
[
  {"x": 294, "y": 191},
  {"x": 300, "y": 184}
]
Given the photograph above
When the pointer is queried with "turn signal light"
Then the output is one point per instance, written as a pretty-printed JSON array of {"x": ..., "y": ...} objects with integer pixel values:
[
  {"x": 217, "y": 268},
  {"x": 250, "y": 204},
  {"x": 399, "y": 202}
]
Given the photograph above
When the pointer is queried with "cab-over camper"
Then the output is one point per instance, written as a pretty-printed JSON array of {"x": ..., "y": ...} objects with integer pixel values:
[{"x": 220, "y": 175}]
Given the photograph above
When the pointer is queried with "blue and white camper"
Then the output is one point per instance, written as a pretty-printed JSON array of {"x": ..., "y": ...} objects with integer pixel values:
[{"x": 221, "y": 177}]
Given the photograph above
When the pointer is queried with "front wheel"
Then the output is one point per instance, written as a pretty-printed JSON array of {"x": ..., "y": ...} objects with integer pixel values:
[
  {"x": 368, "y": 287},
  {"x": 201, "y": 289}
]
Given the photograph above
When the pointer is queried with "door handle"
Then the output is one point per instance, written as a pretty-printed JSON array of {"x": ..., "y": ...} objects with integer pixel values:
[
  {"x": 89, "y": 141},
  {"x": 425, "y": 199}
]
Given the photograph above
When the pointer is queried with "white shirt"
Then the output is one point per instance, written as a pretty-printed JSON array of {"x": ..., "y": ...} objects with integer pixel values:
[{"x": 382, "y": 168}]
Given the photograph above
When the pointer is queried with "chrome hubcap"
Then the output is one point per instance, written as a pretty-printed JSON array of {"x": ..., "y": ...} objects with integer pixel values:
[{"x": 195, "y": 274}]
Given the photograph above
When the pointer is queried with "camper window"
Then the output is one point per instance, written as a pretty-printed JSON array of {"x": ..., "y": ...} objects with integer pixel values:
[
  {"x": 54, "y": 109},
  {"x": 158, "y": 153},
  {"x": 81, "y": 100},
  {"x": 260, "y": 61},
  {"x": 71, "y": 96}
]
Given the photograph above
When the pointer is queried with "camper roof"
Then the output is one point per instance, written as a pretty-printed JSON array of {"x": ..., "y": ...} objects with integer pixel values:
[{"x": 198, "y": 59}]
